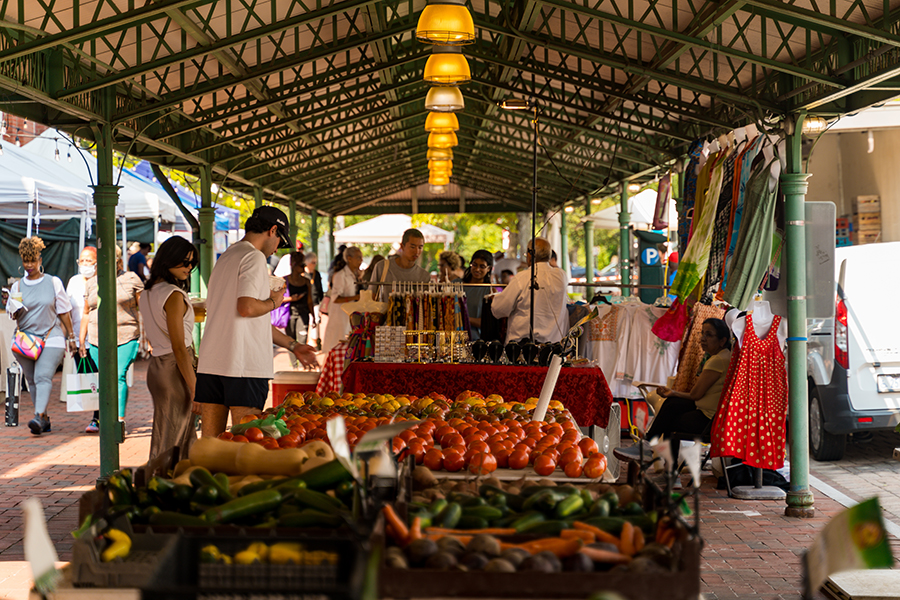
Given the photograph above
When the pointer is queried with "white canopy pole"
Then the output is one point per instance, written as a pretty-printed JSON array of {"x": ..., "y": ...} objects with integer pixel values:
[
  {"x": 29, "y": 226},
  {"x": 81, "y": 231},
  {"x": 124, "y": 243}
]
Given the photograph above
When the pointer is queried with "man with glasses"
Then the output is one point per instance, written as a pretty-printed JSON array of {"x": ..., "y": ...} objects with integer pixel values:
[
  {"x": 235, "y": 363},
  {"x": 403, "y": 266}
]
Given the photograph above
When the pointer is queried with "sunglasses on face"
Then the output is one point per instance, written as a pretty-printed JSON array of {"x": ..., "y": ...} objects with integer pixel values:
[{"x": 188, "y": 262}]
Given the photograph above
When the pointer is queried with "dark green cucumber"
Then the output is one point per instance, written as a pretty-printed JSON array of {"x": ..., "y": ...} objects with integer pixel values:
[
  {"x": 551, "y": 528},
  {"x": 317, "y": 500},
  {"x": 488, "y": 513},
  {"x": 569, "y": 506},
  {"x": 472, "y": 523},
  {"x": 451, "y": 515},
  {"x": 310, "y": 518},
  {"x": 526, "y": 521},
  {"x": 168, "y": 518},
  {"x": 600, "y": 508},
  {"x": 200, "y": 477},
  {"x": 253, "y": 504},
  {"x": 437, "y": 507},
  {"x": 587, "y": 498}
]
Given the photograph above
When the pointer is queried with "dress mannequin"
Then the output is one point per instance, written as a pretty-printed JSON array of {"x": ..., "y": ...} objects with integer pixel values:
[{"x": 762, "y": 322}]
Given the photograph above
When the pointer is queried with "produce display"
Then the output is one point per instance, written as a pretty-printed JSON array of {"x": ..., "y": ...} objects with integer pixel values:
[{"x": 472, "y": 432}]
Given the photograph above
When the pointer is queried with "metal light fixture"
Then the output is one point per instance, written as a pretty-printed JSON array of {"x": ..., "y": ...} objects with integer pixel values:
[
  {"x": 515, "y": 104},
  {"x": 442, "y": 140},
  {"x": 438, "y": 189},
  {"x": 447, "y": 66},
  {"x": 447, "y": 23},
  {"x": 438, "y": 179},
  {"x": 441, "y": 122},
  {"x": 440, "y": 154},
  {"x": 814, "y": 125},
  {"x": 440, "y": 164},
  {"x": 440, "y": 172},
  {"x": 444, "y": 98},
  {"x": 634, "y": 188}
]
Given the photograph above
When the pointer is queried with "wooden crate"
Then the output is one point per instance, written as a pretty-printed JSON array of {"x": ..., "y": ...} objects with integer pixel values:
[
  {"x": 866, "y": 204},
  {"x": 865, "y": 237},
  {"x": 867, "y": 222}
]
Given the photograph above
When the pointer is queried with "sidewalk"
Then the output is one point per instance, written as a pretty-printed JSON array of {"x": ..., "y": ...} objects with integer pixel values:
[{"x": 752, "y": 550}]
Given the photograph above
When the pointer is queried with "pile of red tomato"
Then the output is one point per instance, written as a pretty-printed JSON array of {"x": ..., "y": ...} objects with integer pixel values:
[
  {"x": 482, "y": 447},
  {"x": 304, "y": 428}
]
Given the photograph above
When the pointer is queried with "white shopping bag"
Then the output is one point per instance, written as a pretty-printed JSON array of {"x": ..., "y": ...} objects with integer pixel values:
[
  {"x": 68, "y": 368},
  {"x": 82, "y": 392}
]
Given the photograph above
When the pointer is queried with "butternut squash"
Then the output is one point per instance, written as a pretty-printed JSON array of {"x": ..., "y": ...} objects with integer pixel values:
[
  {"x": 253, "y": 459},
  {"x": 217, "y": 456},
  {"x": 318, "y": 448}
]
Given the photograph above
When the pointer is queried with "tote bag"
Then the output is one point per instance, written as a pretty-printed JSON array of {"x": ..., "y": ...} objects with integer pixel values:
[
  {"x": 83, "y": 389},
  {"x": 281, "y": 316}
]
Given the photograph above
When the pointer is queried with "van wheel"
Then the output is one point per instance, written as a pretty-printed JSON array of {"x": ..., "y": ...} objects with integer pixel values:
[{"x": 822, "y": 445}]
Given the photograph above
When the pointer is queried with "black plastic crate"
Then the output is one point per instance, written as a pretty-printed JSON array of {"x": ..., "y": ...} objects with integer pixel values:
[
  {"x": 148, "y": 553},
  {"x": 185, "y": 576}
]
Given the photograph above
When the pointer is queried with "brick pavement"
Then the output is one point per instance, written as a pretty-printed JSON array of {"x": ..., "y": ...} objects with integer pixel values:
[{"x": 752, "y": 550}]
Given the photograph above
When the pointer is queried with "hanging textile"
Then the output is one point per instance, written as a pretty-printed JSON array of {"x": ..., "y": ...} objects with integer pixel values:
[
  {"x": 650, "y": 358},
  {"x": 691, "y": 354},
  {"x": 737, "y": 209},
  {"x": 663, "y": 199},
  {"x": 753, "y": 251},
  {"x": 750, "y": 422},
  {"x": 720, "y": 239},
  {"x": 685, "y": 217}
]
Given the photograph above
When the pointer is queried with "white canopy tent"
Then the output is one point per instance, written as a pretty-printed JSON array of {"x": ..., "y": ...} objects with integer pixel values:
[
  {"x": 640, "y": 206},
  {"x": 388, "y": 229},
  {"x": 26, "y": 190}
]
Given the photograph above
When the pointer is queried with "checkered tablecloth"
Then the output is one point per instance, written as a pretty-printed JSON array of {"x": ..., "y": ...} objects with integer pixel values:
[{"x": 331, "y": 379}]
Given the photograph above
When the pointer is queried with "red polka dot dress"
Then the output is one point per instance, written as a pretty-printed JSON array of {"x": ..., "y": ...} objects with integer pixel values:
[{"x": 750, "y": 422}]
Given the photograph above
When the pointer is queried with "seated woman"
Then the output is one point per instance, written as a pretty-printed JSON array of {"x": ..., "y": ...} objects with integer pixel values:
[{"x": 693, "y": 411}]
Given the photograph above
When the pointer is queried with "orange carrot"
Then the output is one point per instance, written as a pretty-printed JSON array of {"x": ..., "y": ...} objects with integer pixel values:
[
  {"x": 587, "y": 536},
  {"x": 558, "y": 546},
  {"x": 662, "y": 527},
  {"x": 486, "y": 531},
  {"x": 401, "y": 532},
  {"x": 668, "y": 538},
  {"x": 605, "y": 556},
  {"x": 638, "y": 539},
  {"x": 626, "y": 545},
  {"x": 601, "y": 535},
  {"x": 415, "y": 532}
]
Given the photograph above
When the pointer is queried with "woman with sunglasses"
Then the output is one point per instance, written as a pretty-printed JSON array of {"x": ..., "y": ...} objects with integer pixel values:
[
  {"x": 169, "y": 324},
  {"x": 128, "y": 329},
  {"x": 479, "y": 271}
]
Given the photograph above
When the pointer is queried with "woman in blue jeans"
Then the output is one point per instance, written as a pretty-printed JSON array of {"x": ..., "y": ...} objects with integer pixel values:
[{"x": 128, "y": 329}]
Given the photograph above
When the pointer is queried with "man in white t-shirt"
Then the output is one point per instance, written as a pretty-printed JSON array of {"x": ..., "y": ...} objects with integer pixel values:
[
  {"x": 235, "y": 363},
  {"x": 550, "y": 315},
  {"x": 403, "y": 266}
]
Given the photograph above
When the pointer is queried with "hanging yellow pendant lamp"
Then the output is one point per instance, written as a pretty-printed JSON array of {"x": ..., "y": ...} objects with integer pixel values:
[
  {"x": 438, "y": 179},
  {"x": 440, "y": 154},
  {"x": 442, "y": 140},
  {"x": 447, "y": 66},
  {"x": 441, "y": 122},
  {"x": 440, "y": 164},
  {"x": 443, "y": 172},
  {"x": 446, "y": 23},
  {"x": 437, "y": 190},
  {"x": 444, "y": 98}
]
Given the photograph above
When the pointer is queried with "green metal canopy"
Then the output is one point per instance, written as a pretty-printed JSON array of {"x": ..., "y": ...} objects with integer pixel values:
[{"x": 323, "y": 102}]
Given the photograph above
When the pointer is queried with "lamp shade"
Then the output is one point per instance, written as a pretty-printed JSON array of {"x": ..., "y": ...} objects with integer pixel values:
[
  {"x": 447, "y": 66},
  {"x": 440, "y": 164},
  {"x": 438, "y": 189},
  {"x": 442, "y": 140},
  {"x": 445, "y": 24},
  {"x": 441, "y": 122},
  {"x": 435, "y": 179},
  {"x": 440, "y": 154},
  {"x": 444, "y": 98},
  {"x": 444, "y": 172}
]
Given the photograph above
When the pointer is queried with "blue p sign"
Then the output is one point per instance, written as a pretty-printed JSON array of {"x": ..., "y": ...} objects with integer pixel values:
[{"x": 650, "y": 256}]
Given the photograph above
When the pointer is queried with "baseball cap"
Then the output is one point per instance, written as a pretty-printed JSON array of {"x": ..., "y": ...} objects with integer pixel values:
[{"x": 269, "y": 215}]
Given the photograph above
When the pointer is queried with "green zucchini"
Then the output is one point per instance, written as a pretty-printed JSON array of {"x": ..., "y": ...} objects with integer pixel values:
[
  {"x": 600, "y": 508},
  {"x": 526, "y": 521},
  {"x": 253, "y": 504},
  {"x": 206, "y": 494},
  {"x": 569, "y": 506},
  {"x": 259, "y": 486},
  {"x": 317, "y": 500},
  {"x": 488, "y": 513},
  {"x": 167, "y": 518},
  {"x": 327, "y": 476},
  {"x": 437, "y": 507},
  {"x": 465, "y": 500},
  {"x": 310, "y": 518},
  {"x": 200, "y": 477},
  {"x": 612, "y": 499},
  {"x": 551, "y": 528},
  {"x": 451, "y": 515},
  {"x": 587, "y": 498},
  {"x": 224, "y": 484},
  {"x": 160, "y": 486},
  {"x": 472, "y": 523},
  {"x": 182, "y": 494},
  {"x": 344, "y": 491},
  {"x": 119, "y": 489}
]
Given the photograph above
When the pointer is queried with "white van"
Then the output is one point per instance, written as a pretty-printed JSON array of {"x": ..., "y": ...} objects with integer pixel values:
[{"x": 853, "y": 360}]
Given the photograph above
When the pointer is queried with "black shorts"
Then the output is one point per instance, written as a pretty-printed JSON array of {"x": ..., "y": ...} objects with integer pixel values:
[{"x": 232, "y": 391}]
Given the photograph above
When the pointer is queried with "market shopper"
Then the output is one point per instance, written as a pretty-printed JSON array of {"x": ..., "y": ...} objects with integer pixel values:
[
  {"x": 449, "y": 266},
  {"x": 403, "y": 266},
  {"x": 550, "y": 316},
  {"x": 692, "y": 411},
  {"x": 75, "y": 288},
  {"x": 479, "y": 271},
  {"x": 128, "y": 330},
  {"x": 370, "y": 270},
  {"x": 169, "y": 325},
  {"x": 300, "y": 296},
  {"x": 312, "y": 263},
  {"x": 137, "y": 262},
  {"x": 343, "y": 290},
  {"x": 235, "y": 363},
  {"x": 40, "y": 307}
]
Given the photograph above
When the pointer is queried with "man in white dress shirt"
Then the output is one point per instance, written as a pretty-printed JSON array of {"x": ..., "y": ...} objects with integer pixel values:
[{"x": 550, "y": 322}]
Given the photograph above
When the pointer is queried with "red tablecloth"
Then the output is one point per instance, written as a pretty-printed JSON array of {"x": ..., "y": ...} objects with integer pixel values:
[{"x": 583, "y": 390}]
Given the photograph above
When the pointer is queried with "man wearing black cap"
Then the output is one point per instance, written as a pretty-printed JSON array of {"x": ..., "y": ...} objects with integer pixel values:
[{"x": 235, "y": 363}]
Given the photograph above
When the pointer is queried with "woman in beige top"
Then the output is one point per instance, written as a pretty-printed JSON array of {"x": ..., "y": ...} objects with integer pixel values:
[{"x": 128, "y": 329}]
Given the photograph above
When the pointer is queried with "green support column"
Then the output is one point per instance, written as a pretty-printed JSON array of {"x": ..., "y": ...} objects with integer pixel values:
[
  {"x": 257, "y": 198},
  {"x": 625, "y": 241},
  {"x": 314, "y": 231},
  {"x": 331, "y": 238},
  {"x": 800, "y": 501},
  {"x": 564, "y": 242},
  {"x": 292, "y": 222},
  {"x": 588, "y": 251},
  {"x": 207, "y": 219},
  {"x": 106, "y": 196}
]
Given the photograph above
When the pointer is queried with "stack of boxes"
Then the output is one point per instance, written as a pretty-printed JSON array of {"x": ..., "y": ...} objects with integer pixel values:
[
  {"x": 390, "y": 344},
  {"x": 842, "y": 232},
  {"x": 865, "y": 224}
]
